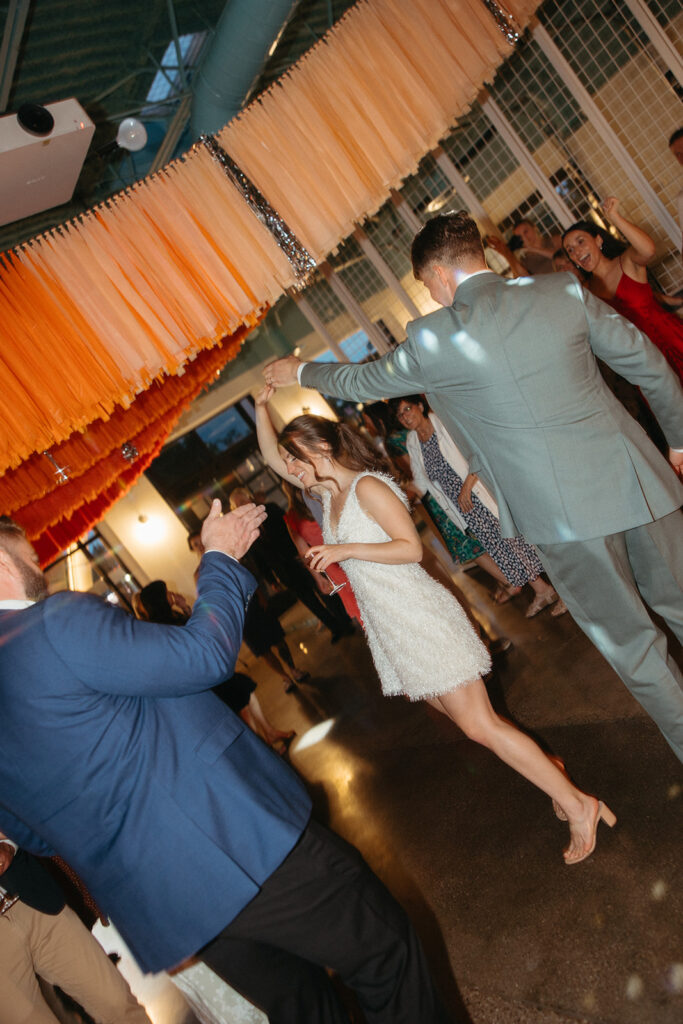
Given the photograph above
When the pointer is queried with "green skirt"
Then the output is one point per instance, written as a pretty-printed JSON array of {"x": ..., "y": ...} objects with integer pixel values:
[{"x": 461, "y": 547}]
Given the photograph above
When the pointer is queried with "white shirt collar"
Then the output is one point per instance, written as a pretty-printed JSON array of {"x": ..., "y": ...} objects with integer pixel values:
[
  {"x": 475, "y": 273},
  {"x": 6, "y": 605}
]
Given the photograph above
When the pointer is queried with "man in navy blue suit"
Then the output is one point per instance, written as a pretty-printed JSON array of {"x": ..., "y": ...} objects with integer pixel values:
[{"x": 189, "y": 832}]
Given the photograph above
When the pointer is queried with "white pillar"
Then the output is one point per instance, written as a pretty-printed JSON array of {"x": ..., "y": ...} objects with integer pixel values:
[
  {"x": 385, "y": 271},
  {"x": 353, "y": 307},
  {"x": 405, "y": 212},
  {"x": 526, "y": 160},
  {"x": 607, "y": 134},
  {"x": 658, "y": 37},
  {"x": 317, "y": 324},
  {"x": 456, "y": 179}
]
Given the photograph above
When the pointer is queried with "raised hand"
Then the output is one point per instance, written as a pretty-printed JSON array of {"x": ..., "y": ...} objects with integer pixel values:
[
  {"x": 264, "y": 395},
  {"x": 610, "y": 206},
  {"x": 233, "y": 533},
  {"x": 282, "y": 372}
]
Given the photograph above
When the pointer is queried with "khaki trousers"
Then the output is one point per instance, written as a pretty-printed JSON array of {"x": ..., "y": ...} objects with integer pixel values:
[{"x": 62, "y": 951}]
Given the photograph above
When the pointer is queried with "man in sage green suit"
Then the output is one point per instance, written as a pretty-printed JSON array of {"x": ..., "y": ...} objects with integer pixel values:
[{"x": 509, "y": 367}]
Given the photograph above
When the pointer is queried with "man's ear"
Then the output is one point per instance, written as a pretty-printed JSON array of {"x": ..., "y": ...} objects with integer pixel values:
[
  {"x": 442, "y": 274},
  {"x": 7, "y": 564}
]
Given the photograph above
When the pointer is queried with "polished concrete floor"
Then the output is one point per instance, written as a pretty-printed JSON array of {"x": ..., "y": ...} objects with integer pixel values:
[{"x": 474, "y": 852}]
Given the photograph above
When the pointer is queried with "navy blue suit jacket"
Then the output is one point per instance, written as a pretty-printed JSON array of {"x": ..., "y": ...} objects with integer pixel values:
[{"x": 115, "y": 756}]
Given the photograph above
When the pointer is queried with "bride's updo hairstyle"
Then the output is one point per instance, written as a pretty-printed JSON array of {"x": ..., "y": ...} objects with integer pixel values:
[{"x": 306, "y": 435}]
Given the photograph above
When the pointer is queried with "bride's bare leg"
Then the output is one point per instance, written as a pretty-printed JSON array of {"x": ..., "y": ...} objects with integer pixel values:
[{"x": 470, "y": 708}]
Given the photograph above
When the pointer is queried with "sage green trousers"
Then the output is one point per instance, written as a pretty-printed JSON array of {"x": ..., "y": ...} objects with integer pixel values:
[{"x": 608, "y": 583}]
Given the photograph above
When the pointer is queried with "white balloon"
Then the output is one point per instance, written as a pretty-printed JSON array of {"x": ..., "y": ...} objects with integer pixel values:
[{"x": 132, "y": 135}]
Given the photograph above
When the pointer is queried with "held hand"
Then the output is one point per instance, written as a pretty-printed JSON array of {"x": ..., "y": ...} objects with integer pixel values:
[
  {"x": 6, "y": 856},
  {"x": 676, "y": 460},
  {"x": 465, "y": 498},
  {"x": 322, "y": 555},
  {"x": 282, "y": 372},
  {"x": 264, "y": 395},
  {"x": 233, "y": 533},
  {"x": 611, "y": 206}
]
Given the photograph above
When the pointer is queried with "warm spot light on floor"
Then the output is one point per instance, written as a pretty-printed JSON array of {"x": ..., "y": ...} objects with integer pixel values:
[
  {"x": 658, "y": 890},
  {"x": 589, "y": 1001},
  {"x": 675, "y": 978},
  {"x": 634, "y": 987},
  {"x": 314, "y": 735}
]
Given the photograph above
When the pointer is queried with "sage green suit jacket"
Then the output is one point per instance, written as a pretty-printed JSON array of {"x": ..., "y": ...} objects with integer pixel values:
[{"x": 510, "y": 369}]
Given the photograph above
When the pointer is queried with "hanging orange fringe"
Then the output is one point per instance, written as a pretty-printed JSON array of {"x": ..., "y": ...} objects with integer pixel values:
[
  {"x": 99, "y": 472},
  {"x": 94, "y": 312}
]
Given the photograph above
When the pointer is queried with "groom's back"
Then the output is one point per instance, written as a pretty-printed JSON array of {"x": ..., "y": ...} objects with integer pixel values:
[{"x": 510, "y": 370}]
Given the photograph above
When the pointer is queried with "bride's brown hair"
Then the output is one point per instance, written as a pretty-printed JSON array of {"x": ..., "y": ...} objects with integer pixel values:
[{"x": 306, "y": 434}]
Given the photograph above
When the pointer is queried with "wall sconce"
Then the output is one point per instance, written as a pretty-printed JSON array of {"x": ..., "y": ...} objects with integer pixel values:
[{"x": 150, "y": 529}]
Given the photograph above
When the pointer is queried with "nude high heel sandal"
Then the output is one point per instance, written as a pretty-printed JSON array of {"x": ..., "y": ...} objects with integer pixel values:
[{"x": 609, "y": 818}]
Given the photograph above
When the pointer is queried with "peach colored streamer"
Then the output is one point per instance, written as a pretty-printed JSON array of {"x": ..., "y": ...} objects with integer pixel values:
[{"x": 94, "y": 312}]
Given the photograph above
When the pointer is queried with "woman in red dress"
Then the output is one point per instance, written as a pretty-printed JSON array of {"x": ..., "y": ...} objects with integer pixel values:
[
  {"x": 306, "y": 533},
  {"x": 620, "y": 278}
]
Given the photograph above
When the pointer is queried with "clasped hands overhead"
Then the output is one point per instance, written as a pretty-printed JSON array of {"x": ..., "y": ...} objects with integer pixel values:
[{"x": 282, "y": 373}]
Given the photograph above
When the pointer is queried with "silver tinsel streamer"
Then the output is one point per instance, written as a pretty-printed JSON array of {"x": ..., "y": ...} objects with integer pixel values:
[
  {"x": 129, "y": 451},
  {"x": 296, "y": 253},
  {"x": 61, "y": 472},
  {"x": 506, "y": 23}
]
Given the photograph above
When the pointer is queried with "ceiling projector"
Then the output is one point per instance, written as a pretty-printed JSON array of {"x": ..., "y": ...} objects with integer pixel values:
[{"x": 42, "y": 149}]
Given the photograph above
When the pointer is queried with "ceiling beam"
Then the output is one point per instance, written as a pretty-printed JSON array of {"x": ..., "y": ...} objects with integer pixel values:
[{"x": 9, "y": 51}]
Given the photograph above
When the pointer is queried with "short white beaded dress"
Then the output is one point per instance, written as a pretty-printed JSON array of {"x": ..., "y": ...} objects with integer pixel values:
[{"x": 421, "y": 640}]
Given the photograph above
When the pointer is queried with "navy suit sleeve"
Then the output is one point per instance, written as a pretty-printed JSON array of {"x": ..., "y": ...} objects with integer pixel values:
[
  {"x": 15, "y": 829},
  {"x": 111, "y": 652},
  {"x": 630, "y": 353}
]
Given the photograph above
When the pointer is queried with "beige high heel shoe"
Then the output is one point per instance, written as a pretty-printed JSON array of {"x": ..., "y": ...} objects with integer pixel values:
[
  {"x": 609, "y": 818},
  {"x": 540, "y": 602}
]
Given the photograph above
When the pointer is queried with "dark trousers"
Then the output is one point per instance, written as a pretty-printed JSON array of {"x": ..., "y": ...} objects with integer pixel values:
[
  {"x": 330, "y": 611},
  {"x": 324, "y": 907}
]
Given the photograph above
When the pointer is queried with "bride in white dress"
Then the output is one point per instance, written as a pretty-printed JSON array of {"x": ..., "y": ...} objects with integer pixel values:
[{"x": 421, "y": 641}]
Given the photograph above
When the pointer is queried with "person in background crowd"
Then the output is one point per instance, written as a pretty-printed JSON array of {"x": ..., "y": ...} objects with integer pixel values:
[
  {"x": 274, "y": 558},
  {"x": 629, "y": 396},
  {"x": 306, "y": 532},
  {"x": 41, "y": 937},
  {"x": 536, "y": 253},
  {"x": 618, "y": 276},
  {"x": 439, "y": 467},
  {"x": 676, "y": 147},
  {"x": 263, "y": 633}
]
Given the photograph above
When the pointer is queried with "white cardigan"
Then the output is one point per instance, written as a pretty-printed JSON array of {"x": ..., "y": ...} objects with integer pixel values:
[{"x": 457, "y": 461}]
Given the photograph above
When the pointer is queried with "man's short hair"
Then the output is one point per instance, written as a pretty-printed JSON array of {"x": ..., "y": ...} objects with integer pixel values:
[
  {"x": 678, "y": 134},
  {"x": 523, "y": 220},
  {"x": 447, "y": 239},
  {"x": 10, "y": 533}
]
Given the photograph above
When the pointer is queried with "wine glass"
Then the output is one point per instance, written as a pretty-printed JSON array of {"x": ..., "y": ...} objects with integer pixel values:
[{"x": 336, "y": 587}]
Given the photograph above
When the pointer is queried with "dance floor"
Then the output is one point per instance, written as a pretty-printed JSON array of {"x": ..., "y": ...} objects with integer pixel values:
[{"x": 474, "y": 852}]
